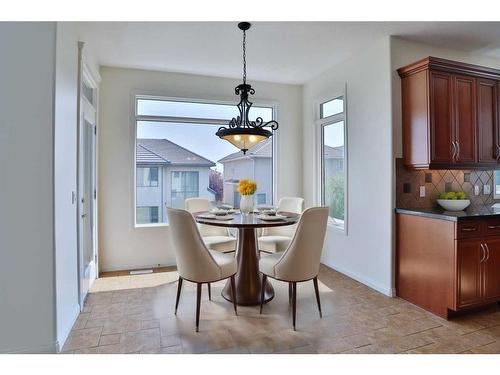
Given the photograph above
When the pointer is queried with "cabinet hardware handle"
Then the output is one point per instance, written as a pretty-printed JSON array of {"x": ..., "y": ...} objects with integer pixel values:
[
  {"x": 458, "y": 149},
  {"x": 454, "y": 150},
  {"x": 493, "y": 226},
  {"x": 488, "y": 250},
  {"x": 469, "y": 229},
  {"x": 484, "y": 253},
  {"x": 498, "y": 152}
]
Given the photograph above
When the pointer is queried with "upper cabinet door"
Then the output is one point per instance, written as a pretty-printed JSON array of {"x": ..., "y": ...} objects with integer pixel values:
[
  {"x": 443, "y": 149},
  {"x": 487, "y": 121},
  {"x": 464, "y": 99}
]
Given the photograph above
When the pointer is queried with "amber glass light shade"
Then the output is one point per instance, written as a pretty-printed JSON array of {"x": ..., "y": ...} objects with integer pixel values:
[{"x": 244, "y": 141}]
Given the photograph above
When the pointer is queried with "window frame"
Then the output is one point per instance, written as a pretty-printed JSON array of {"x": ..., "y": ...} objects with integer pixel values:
[
  {"x": 135, "y": 118},
  {"x": 320, "y": 124}
]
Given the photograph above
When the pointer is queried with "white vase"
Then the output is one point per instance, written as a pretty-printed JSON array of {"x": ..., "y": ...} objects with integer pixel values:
[{"x": 246, "y": 204}]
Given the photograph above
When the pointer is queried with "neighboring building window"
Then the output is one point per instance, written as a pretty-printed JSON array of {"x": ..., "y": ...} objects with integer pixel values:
[
  {"x": 333, "y": 165},
  {"x": 147, "y": 215},
  {"x": 147, "y": 177},
  {"x": 179, "y": 159},
  {"x": 184, "y": 185},
  {"x": 261, "y": 198}
]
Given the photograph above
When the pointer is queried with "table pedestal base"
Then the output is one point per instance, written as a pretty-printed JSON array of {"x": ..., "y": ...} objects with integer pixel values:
[{"x": 248, "y": 279}]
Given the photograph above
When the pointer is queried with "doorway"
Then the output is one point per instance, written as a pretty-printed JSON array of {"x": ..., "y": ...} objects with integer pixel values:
[{"x": 87, "y": 191}]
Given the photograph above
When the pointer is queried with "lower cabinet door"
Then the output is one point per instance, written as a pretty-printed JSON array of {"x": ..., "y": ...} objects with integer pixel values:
[
  {"x": 491, "y": 268},
  {"x": 469, "y": 256}
]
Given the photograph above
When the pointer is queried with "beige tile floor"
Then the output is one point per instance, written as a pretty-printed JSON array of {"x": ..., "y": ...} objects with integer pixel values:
[{"x": 356, "y": 319}]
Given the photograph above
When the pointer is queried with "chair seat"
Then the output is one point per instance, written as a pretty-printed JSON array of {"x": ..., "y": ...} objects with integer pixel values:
[
  {"x": 227, "y": 264},
  {"x": 274, "y": 244},
  {"x": 220, "y": 243},
  {"x": 266, "y": 264}
]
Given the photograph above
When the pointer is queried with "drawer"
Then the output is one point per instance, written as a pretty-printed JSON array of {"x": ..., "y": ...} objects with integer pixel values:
[
  {"x": 469, "y": 229},
  {"x": 491, "y": 227}
]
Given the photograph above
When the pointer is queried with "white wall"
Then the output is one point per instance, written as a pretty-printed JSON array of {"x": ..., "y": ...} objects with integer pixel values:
[
  {"x": 65, "y": 139},
  {"x": 65, "y": 175},
  {"x": 121, "y": 246},
  {"x": 27, "y": 293},
  {"x": 404, "y": 52},
  {"x": 365, "y": 253}
]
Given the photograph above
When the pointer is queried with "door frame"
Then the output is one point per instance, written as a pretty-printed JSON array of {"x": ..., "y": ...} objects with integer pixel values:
[{"x": 91, "y": 79}]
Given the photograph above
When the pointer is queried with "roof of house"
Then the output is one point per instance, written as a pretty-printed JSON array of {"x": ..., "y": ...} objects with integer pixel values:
[
  {"x": 264, "y": 150},
  {"x": 334, "y": 152},
  {"x": 163, "y": 151}
]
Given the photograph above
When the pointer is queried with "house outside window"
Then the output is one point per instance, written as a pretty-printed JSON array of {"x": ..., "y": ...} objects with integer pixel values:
[
  {"x": 178, "y": 156},
  {"x": 333, "y": 181},
  {"x": 183, "y": 185},
  {"x": 261, "y": 198},
  {"x": 147, "y": 176},
  {"x": 147, "y": 215}
]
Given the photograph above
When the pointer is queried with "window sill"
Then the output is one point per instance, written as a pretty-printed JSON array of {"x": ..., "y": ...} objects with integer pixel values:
[
  {"x": 153, "y": 225},
  {"x": 335, "y": 226}
]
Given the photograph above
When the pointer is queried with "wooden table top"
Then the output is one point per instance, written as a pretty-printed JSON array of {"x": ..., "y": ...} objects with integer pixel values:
[{"x": 248, "y": 221}]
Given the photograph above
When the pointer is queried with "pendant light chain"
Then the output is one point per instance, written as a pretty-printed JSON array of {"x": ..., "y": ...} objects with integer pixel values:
[{"x": 244, "y": 57}]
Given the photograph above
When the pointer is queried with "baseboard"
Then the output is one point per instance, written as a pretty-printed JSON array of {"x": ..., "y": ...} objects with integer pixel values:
[
  {"x": 390, "y": 292},
  {"x": 136, "y": 267},
  {"x": 61, "y": 339},
  {"x": 45, "y": 349}
]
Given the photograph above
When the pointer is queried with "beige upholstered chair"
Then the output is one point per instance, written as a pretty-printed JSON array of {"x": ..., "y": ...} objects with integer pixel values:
[
  {"x": 300, "y": 261},
  {"x": 195, "y": 262},
  {"x": 216, "y": 238},
  {"x": 276, "y": 239}
]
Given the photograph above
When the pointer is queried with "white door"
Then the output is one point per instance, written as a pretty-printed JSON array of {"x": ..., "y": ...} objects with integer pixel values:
[{"x": 87, "y": 192}]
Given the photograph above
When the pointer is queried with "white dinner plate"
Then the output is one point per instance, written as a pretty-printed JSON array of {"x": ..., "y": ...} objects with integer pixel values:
[
  {"x": 225, "y": 217},
  {"x": 206, "y": 216},
  {"x": 217, "y": 211},
  {"x": 271, "y": 218}
]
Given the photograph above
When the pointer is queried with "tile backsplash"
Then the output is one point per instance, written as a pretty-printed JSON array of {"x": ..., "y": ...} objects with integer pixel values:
[{"x": 408, "y": 183}]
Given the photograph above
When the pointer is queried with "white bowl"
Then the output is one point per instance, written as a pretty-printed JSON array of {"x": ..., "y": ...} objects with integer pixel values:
[{"x": 454, "y": 204}]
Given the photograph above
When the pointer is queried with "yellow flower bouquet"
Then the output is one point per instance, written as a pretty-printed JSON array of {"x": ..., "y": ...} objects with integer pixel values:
[{"x": 247, "y": 187}]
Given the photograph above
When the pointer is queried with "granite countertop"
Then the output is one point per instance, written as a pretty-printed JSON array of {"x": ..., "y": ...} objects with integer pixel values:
[{"x": 439, "y": 213}]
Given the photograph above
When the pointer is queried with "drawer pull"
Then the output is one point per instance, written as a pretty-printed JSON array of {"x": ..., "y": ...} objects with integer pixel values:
[
  {"x": 493, "y": 226},
  {"x": 469, "y": 229}
]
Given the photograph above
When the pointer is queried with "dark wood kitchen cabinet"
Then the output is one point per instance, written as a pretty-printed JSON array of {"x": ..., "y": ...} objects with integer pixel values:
[
  {"x": 450, "y": 115},
  {"x": 487, "y": 107},
  {"x": 469, "y": 256},
  {"x": 448, "y": 266},
  {"x": 492, "y": 270}
]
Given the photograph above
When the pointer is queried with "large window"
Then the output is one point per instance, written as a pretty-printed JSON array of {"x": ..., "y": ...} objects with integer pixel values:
[
  {"x": 178, "y": 156},
  {"x": 333, "y": 159}
]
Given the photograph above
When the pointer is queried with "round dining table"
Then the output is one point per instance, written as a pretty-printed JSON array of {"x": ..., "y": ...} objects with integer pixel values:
[{"x": 248, "y": 279}]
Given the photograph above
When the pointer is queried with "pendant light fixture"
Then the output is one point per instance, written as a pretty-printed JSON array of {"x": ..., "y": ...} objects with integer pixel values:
[{"x": 241, "y": 131}]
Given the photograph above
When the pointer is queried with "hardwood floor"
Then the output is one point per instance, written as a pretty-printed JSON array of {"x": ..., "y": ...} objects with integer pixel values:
[{"x": 356, "y": 319}]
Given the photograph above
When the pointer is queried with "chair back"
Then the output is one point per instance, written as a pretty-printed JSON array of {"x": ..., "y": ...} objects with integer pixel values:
[
  {"x": 194, "y": 261},
  {"x": 300, "y": 261},
  {"x": 286, "y": 204},
  {"x": 203, "y": 204}
]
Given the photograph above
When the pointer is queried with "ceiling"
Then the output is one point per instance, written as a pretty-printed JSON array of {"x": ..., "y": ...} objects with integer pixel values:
[{"x": 286, "y": 52}]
